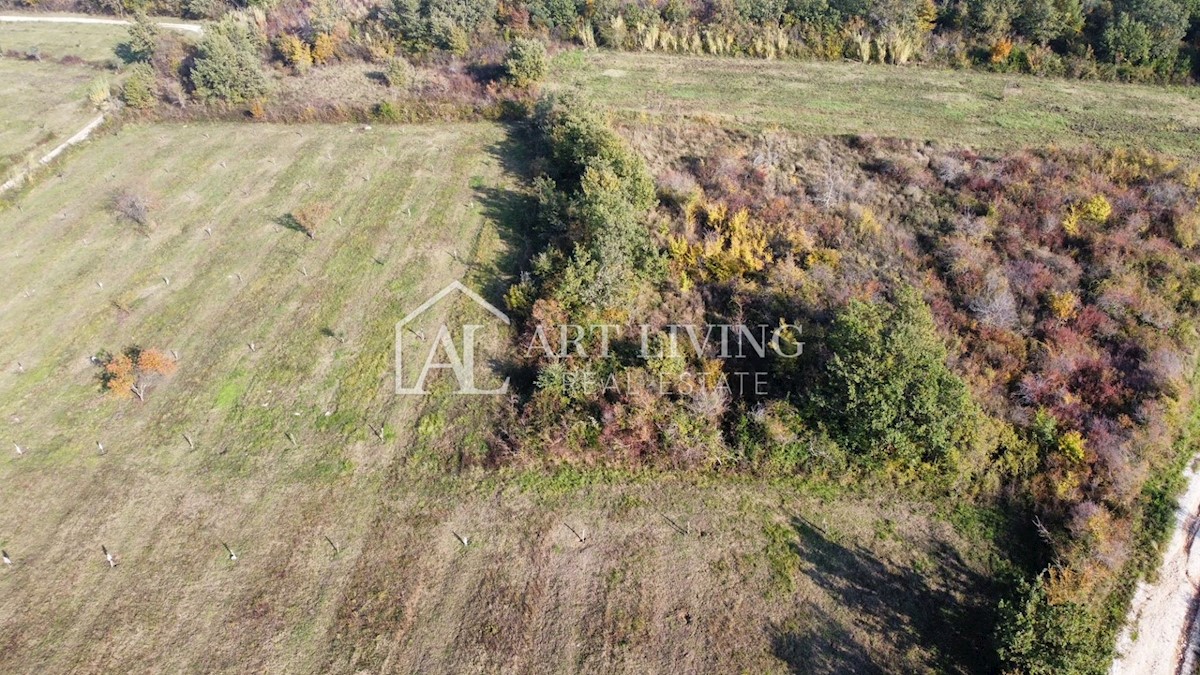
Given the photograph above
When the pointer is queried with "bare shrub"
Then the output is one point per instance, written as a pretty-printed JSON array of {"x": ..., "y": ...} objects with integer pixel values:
[
  {"x": 135, "y": 205},
  {"x": 995, "y": 305},
  {"x": 676, "y": 187}
]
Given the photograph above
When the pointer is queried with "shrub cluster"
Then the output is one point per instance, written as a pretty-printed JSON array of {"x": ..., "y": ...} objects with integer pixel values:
[
  {"x": 1056, "y": 332},
  {"x": 227, "y": 65},
  {"x": 526, "y": 63}
]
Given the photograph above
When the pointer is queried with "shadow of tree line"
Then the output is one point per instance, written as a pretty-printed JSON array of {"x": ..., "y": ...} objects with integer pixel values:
[{"x": 951, "y": 618}]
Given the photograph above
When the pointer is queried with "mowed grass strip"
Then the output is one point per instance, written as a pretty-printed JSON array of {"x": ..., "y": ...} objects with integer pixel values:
[
  {"x": 971, "y": 108},
  {"x": 42, "y": 105},
  {"x": 90, "y": 42},
  {"x": 218, "y": 270},
  {"x": 276, "y": 429}
]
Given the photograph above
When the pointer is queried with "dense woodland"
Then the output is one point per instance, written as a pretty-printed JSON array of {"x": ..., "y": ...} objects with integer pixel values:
[{"x": 1017, "y": 330}]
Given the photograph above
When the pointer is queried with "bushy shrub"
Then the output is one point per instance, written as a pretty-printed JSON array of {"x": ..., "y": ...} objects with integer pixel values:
[
  {"x": 387, "y": 111},
  {"x": 143, "y": 34},
  {"x": 227, "y": 65},
  {"x": 551, "y": 14},
  {"x": 324, "y": 48},
  {"x": 129, "y": 373},
  {"x": 421, "y": 25},
  {"x": 139, "y": 89},
  {"x": 593, "y": 207},
  {"x": 203, "y": 9},
  {"x": 886, "y": 392},
  {"x": 468, "y": 15},
  {"x": 399, "y": 73},
  {"x": 295, "y": 53},
  {"x": 1041, "y": 635},
  {"x": 526, "y": 63}
]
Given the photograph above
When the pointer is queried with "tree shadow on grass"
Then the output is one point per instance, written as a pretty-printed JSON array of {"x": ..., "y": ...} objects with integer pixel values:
[
  {"x": 514, "y": 211},
  {"x": 827, "y": 649},
  {"x": 943, "y": 611},
  {"x": 288, "y": 221}
]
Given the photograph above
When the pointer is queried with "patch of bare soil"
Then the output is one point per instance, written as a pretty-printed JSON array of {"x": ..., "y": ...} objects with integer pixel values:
[{"x": 1161, "y": 635}]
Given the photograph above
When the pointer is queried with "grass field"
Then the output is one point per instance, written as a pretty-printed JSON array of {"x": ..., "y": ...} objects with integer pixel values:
[
  {"x": 961, "y": 107},
  {"x": 675, "y": 573},
  {"x": 43, "y": 105},
  {"x": 91, "y": 42}
]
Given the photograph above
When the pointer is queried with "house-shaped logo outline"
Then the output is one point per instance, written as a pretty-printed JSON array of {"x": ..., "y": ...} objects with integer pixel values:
[{"x": 433, "y": 300}]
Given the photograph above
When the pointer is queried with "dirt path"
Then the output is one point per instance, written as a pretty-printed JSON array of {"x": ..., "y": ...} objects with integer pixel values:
[
  {"x": 79, "y": 137},
  {"x": 188, "y": 27},
  {"x": 1161, "y": 636}
]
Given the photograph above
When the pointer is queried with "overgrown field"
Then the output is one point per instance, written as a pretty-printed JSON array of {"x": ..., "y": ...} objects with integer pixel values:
[
  {"x": 278, "y": 428},
  {"x": 981, "y": 110}
]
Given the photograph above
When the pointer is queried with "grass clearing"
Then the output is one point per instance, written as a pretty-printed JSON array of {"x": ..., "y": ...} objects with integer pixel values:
[
  {"x": 90, "y": 42},
  {"x": 43, "y": 105},
  {"x": 978, "y": 109}
]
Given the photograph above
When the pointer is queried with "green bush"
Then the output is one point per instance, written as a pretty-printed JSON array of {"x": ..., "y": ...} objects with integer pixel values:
[
  {"x": 421, "y": 25},
  {"x": 886, "y": 392},
  {"x": 551, "y": 14},
  {"x": 386, "y": 112},
  {"x": 399, "y": 73},
  {"x": 526, "y": 63},
  {"x": 143, "y": 35},
  {"x": 227, "y": 63},
  {"x": 139, "y": 91},
  {"x": 1039, "y": 636},
  {"x": 595, "y": 204}
]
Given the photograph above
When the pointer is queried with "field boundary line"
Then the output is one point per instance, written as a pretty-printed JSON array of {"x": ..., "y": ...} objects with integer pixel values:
[
  {"x": 9, "y": 18},
  {"x": 79, "y": 137}
]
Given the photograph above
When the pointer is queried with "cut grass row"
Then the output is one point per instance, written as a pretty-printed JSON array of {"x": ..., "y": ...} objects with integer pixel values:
[
  {"x": 43, "y": 104},
  {"x": 969, "y": 108},
  {"x": 90, "y": 42}
]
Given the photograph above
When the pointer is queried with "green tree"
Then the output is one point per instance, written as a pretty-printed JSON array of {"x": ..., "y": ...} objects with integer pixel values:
[
  {"x": 227, "y": 65},
  {"x": 991, "y": 19},
  {"x": 1046, "y": 20},
  {"x": 143, "y": 35},
  {"x": 526, "y": 63},
  {"x": 1128, "y": 40},
  {"x": 761, "y": 11},
  {"x": 139, "y": 89},
  {"x": 886, "y": 393},
  {"x": 595, "y": 204},
  {"x": 551, "y": 14},
  {"x": 1037, "y": 636},
  {"x": 1166, "y": 23},
  {"x": 421, "y": 25},
  {"x": 468, "y": 15}
]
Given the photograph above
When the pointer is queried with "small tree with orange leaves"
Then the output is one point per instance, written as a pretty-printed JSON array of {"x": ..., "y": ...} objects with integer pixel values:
[{"x": 130, "y": 372}]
